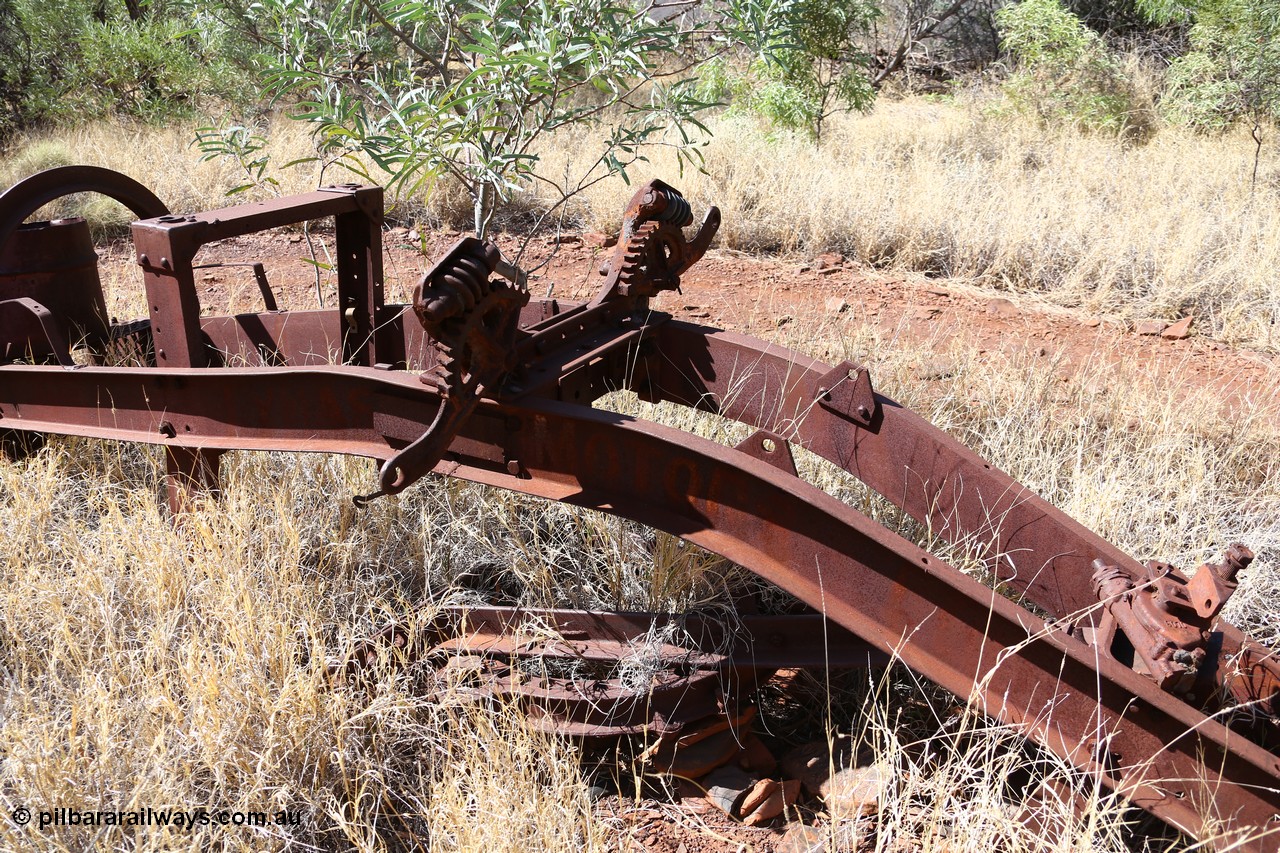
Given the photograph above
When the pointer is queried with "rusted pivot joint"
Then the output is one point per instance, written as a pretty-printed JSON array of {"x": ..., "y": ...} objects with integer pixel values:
[{"x": 1167, "y": 619}]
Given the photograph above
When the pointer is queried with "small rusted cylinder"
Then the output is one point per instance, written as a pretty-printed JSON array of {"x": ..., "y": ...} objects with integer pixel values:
[{"x": 54, "y": 263}]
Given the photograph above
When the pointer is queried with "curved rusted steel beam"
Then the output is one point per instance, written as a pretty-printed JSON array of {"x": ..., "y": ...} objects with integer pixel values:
[
  {"x": 1034, "y": 548},
  {"x": 1161, "y": 753},
  {"x": 30, "y": 194}
]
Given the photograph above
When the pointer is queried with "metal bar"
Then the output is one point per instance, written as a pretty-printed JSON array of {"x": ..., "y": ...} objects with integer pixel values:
[
  {"x": 29, "y": 195},
  {"x": 1033, "y": 547},
  {"x": 360, "y": 286},
  {"x": 751, "y": 641}
]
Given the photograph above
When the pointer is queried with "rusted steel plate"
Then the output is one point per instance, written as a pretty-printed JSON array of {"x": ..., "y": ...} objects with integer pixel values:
[
  {"x": 748, "y": 641},
  {"x": 514, "y": 654}
]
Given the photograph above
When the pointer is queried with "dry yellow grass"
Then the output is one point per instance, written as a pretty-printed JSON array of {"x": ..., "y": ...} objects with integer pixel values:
[{"x": 1080, "y": 221}]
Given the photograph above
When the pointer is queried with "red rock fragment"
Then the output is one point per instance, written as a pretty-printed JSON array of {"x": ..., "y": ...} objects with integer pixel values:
[
  {"x": 1001, "y": 308},
  {"x": 1179, "y": 330},
  {"x": 759, "y": 794},
  {"x": 766, "y": 809}
]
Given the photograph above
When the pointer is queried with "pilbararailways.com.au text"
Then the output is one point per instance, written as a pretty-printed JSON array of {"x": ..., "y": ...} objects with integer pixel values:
[{"x": 186, "y": 819}]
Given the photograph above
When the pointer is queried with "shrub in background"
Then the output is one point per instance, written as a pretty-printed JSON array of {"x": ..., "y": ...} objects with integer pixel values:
[
  {"x": 823, "y": 70},
  {"x": 66, "y": 61},
  {"x": 1065, "y": 75},
  {"x": 1232, "y": 71},
  {"x": 470, "y": 90}
]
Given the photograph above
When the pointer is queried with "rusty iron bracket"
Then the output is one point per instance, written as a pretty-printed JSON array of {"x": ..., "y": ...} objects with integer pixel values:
[
  {"x": 846, "y": 390},
  {"x": 769, "y": 447},
  {"x": 29, "y": 330},
  {"x": 1158, "y": 618}
]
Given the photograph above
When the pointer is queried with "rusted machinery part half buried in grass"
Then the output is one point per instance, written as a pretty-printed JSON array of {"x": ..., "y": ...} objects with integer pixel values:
[
  {"x": 598, "y": 677},
  {"x": 1126, "y": 671}
]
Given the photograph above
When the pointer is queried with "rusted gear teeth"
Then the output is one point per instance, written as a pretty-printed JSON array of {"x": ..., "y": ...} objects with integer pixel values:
[
  {"x": 652, "y": 252},
  {"x": 638, "y": 255},
  {"x": 658, "y": 200}
]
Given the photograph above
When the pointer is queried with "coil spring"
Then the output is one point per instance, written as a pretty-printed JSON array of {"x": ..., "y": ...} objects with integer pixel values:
[
  {"x": 677, "y": 212},
  {"x": 459, "y": 283}
]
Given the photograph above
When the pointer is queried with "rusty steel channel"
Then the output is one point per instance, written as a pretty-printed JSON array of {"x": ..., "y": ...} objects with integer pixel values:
[{"x": 1123, "y": 669}]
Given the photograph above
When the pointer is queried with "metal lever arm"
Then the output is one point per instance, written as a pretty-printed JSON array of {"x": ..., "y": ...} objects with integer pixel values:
[{"x": 472, "y": 320}]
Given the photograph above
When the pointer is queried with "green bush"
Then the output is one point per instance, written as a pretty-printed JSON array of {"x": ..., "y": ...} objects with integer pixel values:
[
  {"x": 1232, "y": 71},
  {"x": 824, "y": 70},
  {"x": 470, "y": 89},
  {"x": 1064, "y": 74},
  {"x": 73, "y": 60}
]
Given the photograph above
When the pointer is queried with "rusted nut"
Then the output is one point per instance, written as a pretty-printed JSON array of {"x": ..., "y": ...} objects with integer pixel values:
[{"x": 1237, "y": 559}]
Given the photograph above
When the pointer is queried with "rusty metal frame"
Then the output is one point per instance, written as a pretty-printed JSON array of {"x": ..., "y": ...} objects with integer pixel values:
[{"x": 1044, "y": 667}]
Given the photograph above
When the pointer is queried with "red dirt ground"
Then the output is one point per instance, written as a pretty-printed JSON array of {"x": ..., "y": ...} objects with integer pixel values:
[{"x": 760, "y": 295}]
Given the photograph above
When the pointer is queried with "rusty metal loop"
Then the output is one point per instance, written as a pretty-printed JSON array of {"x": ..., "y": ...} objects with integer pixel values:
[{"x": 29, "y": 195}]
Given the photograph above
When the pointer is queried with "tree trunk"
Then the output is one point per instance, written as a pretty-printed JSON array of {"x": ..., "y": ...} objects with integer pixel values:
[{"x": 483, "y": 199}]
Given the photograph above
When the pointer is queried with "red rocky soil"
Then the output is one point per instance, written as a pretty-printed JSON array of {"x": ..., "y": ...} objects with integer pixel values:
[{"x": 763, "y": 296}]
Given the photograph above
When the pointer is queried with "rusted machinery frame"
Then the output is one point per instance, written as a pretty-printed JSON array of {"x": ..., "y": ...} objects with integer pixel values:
[
  {"x": 1162, "y": 753},
  {"x": 1034, "y": 548},
  {"x": 535, "y": 433}
]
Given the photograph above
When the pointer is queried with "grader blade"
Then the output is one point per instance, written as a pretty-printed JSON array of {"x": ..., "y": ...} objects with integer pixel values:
[{"x": 1125, "y": 670}]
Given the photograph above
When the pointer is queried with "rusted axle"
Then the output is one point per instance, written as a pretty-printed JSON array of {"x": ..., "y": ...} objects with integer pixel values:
[{"x": 514, "y": 383}]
